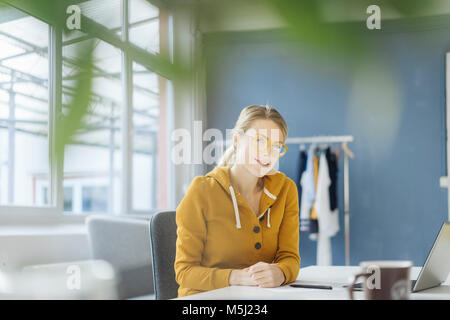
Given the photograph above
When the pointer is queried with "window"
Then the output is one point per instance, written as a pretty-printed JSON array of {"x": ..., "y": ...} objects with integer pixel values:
[
  {"x": 68, "y": 196},
  {"x": 104, "y": 12},
  {"x": 144, "y": 25},
  {"x": 100, "y": 138},
  {"x": 149, "y": 123},
  {"x": 95, "y": 199},
  {"x": 24, "y": 112},
  {"x": 96, "y": 168}
]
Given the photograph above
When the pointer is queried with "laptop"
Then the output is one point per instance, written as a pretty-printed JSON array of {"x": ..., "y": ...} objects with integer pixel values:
[{"x": 437, "y": 265}]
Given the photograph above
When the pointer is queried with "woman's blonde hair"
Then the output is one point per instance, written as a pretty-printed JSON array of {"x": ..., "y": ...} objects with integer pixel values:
[{"x": 246, "y": 118}]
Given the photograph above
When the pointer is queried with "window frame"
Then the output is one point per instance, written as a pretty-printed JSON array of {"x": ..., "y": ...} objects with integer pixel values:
[{"x": 130, "y": 53}]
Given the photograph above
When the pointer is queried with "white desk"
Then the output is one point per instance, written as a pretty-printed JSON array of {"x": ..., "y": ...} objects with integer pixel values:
[{"x": 337, "y": 276}]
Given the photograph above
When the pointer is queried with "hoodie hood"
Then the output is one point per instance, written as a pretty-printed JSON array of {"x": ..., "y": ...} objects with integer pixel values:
[{"x": 272, "y": 186}]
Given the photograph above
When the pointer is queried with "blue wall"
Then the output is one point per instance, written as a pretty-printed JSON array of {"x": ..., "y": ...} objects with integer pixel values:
[{"x": 392, "y": 102}]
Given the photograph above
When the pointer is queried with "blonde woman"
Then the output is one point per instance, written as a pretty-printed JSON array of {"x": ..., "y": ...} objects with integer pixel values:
[{"x": 238, "y": 224}]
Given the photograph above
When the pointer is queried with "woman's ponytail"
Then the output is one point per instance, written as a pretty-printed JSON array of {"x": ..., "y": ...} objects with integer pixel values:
[{"x": 228, "y": 158}]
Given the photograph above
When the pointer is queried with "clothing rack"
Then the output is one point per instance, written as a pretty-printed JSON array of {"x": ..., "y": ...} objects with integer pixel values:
[{"x": 347, "y": 153}]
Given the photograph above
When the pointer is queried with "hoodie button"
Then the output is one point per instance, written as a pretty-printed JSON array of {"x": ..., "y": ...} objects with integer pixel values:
[
  {"x": 258, "y": 245},
  {"x": 256, "y": 229}
]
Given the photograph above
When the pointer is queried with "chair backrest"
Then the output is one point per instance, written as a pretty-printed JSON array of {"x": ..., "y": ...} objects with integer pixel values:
[
  {"x": 123, "y": 241},
  {"x": 163, "y": 237}
]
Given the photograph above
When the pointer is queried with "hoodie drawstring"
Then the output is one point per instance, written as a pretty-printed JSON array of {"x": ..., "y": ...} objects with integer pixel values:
[{"x": 236, "y": 210}]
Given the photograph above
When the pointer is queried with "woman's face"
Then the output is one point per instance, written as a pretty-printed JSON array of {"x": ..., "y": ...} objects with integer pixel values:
[{"x": 257, "y": 149}]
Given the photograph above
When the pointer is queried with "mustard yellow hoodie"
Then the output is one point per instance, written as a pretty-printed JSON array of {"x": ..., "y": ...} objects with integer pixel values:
[{"x": 218, "y": 231}]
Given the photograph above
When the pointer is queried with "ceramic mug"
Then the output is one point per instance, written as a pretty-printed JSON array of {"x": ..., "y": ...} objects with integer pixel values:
[{"x": 384, "y": 280}]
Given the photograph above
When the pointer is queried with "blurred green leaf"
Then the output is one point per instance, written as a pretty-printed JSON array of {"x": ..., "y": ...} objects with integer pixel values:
[
  {"x": 306, "y": 24},
  {"x": 411, "y": 7},
  {"x": 67, "y": 124}
]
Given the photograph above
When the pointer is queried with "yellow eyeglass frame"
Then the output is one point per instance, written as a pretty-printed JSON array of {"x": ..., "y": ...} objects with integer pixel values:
[{"x": 268, "y": 144}]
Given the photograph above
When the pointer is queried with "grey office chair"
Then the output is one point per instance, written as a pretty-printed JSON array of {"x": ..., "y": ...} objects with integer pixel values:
[
  {"x": 163, "y": 237},
  {"x": 123, "y": 241}
]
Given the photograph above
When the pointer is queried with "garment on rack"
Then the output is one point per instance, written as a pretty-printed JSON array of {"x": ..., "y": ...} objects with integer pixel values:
[
  {"x": 332, "y": 162},
  {"x": 328, "y": 222},
  {"x": 314, "y": 226},
  {"x": 316, "y": 175},
  {"x": 313, "y": 229},
  {"x": 327, "y": 219},
  {"x": 324, "y": 253},
  {"x": 302, "y": 168},
  {"x": 308, "y": 190}
]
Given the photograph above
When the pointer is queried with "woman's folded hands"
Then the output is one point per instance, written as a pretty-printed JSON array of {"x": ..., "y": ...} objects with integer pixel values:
[{"x": 262, "y": 274}]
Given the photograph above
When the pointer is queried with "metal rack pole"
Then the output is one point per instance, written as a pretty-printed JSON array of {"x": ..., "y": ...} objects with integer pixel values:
[
  {"x": 319, "y": 139},
  {"x": 346, "y": 211}
]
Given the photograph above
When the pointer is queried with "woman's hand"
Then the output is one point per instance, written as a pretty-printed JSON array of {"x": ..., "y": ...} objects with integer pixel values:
[
  {"x": 266, "y": 275},
  {"x": 241, "y": 277}
]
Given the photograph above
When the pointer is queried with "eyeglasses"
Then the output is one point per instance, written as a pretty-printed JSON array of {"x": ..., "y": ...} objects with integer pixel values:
[{"x": 262, "y": 143}]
